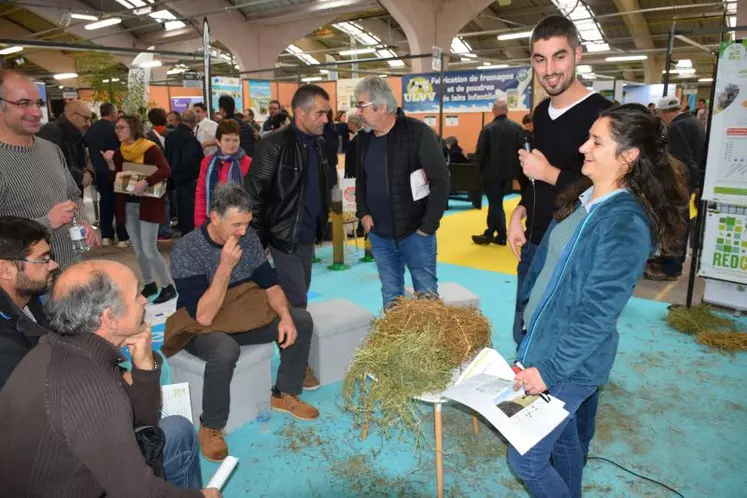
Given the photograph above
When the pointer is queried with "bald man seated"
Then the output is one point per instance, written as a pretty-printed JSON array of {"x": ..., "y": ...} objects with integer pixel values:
[
  {"x": 67, "y": 133},
  {"x": 69, "y": 413}
]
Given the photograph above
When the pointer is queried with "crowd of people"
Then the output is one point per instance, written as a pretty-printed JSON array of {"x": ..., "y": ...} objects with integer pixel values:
[{"x": 604, "y": 188}]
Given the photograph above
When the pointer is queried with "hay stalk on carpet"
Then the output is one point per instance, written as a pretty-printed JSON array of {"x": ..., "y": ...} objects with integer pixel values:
[
  {"x": 412, "y": 349},
  {"x": 709, "y": 329}
]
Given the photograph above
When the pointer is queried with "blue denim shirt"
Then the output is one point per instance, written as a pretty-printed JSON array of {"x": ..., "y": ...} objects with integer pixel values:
[{"x": 572, "y": 335}]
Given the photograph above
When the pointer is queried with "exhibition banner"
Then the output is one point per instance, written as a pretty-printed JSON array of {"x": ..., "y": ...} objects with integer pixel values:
[
  {"x": 726, "y": 167},
  {"x": 181, "y": 104},
  {"x": 259, "y": 96},
  {"x": 346, "y": 94},
  {"x": 222, "y": 85},
  {"x": 468, "y": 91},
  {"x": 725, "y": 245}
]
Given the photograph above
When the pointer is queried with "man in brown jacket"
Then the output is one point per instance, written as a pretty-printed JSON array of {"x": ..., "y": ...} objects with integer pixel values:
[{"x": 69, "y": 412}]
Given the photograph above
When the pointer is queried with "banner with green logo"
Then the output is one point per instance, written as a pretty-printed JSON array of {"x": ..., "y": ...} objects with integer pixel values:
[{"x": 724, "y": 254}]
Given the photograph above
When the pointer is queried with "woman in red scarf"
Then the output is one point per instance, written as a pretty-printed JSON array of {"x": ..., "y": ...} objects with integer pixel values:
[{"x": 229, "y": 163}]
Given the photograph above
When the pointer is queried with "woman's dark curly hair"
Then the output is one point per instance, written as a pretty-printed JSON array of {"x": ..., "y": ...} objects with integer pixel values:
[{"x": 656, "y": 178}]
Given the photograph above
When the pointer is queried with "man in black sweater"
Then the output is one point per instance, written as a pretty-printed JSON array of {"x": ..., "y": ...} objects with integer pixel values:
[
  {"x": 499, "y": 165},
  {"x": 561, "y": 125}
]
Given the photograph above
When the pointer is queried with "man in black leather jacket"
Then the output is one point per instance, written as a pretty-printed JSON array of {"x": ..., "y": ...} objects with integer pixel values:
[
  {"x": 67, "y": 133},
  {"x": 289, "y": 183}
]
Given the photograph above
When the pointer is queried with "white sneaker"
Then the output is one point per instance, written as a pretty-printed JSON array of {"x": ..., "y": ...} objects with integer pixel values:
[
  {"x": 124, "y": 244},
  {"x": 106, "y": 242}
]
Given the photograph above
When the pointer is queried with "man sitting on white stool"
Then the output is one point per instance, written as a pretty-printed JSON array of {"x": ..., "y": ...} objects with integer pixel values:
[{"x": 206, "y": 264}]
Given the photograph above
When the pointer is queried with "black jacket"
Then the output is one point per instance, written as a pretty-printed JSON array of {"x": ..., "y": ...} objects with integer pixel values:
[
  {"x": 687, "y": 142},
  {"x": 276, "y": 184},
  {"x": 411, "y": 145},
  {"x": 184, "y": 154},
  {"x": 100, "y": 137},
  {"x": 246, "y": 137},
  {"x": 18, "y": 333},
  {"x": 498, "y": 150},
  {"x": 351, "y": 158},
  {"x": 67, "y": 137}
]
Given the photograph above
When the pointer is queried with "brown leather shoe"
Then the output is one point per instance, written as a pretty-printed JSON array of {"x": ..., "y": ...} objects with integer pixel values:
[
  {"x": 212, "y": 444},
  {"x": 291, "y": 404},
  {"x": 309, "y": 381}
]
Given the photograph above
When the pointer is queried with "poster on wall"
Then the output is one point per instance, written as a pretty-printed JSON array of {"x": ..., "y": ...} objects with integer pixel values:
[
  {"x": 468, "y": 91},
  {"x": 259, "y": 96},
  {"x": 222, "y": 85},
  {"x": 346, "y": 94},
  {"x": 181, "y": 104},
  {"x": 42, "y": 89},
  {"x": 725, "y": 245},
  {"x": 726, "y": 167}
]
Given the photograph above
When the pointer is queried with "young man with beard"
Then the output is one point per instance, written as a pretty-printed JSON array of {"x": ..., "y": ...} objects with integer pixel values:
[
  {"x": 561, "y": 126},
  {"x": 26, "y": 266}
]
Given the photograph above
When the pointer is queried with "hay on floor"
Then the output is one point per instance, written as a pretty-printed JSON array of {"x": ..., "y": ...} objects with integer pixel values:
[
  {"x": 709, "y": 329},
  {"x": 412, "y": 349}
]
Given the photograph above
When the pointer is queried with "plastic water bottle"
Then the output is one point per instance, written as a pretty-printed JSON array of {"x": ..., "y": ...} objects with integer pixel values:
[{"x": 78, "y": 236}]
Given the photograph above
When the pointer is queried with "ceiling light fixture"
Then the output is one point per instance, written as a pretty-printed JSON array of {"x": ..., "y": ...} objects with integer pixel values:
[
  {"x": 705, "y": 80},
  {"x": 515, "y": 36},
  {"x": 583, "y": 68},
  {"x": 626, "y": 58},
  {"x": 492, "y": 66},
  {"x": 103, "y": 23},
  {"x": 83, "y": 17},
  {"x": 147, "y": 64},
  {"x": 358, "y": 51},
  {"x": 65, "y": 76},
  {"x": 309, "y": 79},
  {"x": 11, "y": 50}
]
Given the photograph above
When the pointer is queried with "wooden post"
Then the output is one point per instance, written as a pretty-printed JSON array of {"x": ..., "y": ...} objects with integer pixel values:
[
  {"x": 475, "y": 425},
  {"x": 367, "y": 254},
  {"x": 338, "y": 239},
  {"x": 439, "y": 450}
]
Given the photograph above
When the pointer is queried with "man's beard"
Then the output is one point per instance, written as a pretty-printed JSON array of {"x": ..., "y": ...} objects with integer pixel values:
[
  {"x": 28, "y": 288},
  {"x": 566, "y": 84}
]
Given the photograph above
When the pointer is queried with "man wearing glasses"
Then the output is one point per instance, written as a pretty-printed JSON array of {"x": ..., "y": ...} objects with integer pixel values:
[
  {"x": 34, "y": 181},
  {"x": 401, "y": 190},
  {"x": 26, "y": 270},
  {"x": 67, "y": 134}
]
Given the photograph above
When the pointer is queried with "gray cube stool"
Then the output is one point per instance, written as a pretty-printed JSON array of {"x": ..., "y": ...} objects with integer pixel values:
[
  {"x": 251, "y": 383},
  {"x": 453, "y": 294},
  {"x": 339, "y": 328}
]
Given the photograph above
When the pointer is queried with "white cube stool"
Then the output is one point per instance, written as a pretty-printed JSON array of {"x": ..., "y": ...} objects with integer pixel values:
[
  {"x": 339, "y": 328},
  {"x": 251, "y": 383},
  {"x": 453, "y": 294}
]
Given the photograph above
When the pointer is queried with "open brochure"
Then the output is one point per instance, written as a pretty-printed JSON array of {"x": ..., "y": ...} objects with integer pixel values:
[{"x": 487, "y": 386}]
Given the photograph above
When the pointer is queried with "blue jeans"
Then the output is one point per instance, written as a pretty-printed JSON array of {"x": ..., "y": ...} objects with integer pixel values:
[
  {"x": 527, "y": 256},
  {"x": 563, "y": 478},
  {"x": 417, "y": 252},
  {"x": 181, "y": 453}
]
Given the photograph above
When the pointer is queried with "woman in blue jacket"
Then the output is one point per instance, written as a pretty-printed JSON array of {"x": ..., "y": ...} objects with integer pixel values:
[{"x": 583, "y": 275}]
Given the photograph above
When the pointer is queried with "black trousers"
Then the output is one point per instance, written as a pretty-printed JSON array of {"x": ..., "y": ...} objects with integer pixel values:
[
  {"x": 220, "y": 351},
  {"x": 185, "y": 202},
  {"x": 294, "y": 273},
  {"x": 495, "y": 192},
  {"x": 106, "y": 208}
]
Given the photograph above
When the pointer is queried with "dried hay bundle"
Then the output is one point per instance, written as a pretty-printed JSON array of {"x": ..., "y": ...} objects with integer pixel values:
[
  {"x": 709, "y": 329},
  {"x": 412, "y": 349}
]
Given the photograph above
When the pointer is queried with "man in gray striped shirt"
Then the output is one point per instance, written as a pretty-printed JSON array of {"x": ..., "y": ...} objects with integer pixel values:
[{"x": 35, "y": 182}]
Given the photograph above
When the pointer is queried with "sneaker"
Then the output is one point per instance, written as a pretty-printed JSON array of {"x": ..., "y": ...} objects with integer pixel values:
[
  {"x": 106, "y": 242},
  {"x": 657, "y": 275},
  {"x": 481, "y": 240},
  {"x": 310, "y": 382},
  {"x": 212, "y": 444},
  {"x": 164, "y": 238},
  {"x": 123, "y": 244},
  {"x": 150, "y": 289},
  {"x": 283, "y": 402},
  {"x": 167, "y": 294}
]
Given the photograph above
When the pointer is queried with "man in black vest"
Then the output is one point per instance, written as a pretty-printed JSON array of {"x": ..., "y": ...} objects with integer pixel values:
[
  {"x": 26, "y": 266},
  {"x": 401, "y": 219},
  {"x": 499, "y": 165}
]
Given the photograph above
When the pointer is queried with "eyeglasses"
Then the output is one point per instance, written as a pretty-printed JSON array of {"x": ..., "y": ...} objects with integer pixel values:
[
  {"x": 121, "y": 127},
  {"x": 86, "y": 118},
  {"x": 360, "y": 106},
  {"x": 25, "y": 103},
  {"x": 46, "y": 260}
]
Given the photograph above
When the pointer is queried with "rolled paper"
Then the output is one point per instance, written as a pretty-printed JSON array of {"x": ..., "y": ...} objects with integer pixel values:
[{"x": 224, "y": 471}]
